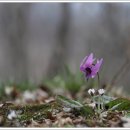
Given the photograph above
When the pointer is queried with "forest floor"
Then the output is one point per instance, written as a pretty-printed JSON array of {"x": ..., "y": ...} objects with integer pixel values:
[{"x": 44, "y": 107}]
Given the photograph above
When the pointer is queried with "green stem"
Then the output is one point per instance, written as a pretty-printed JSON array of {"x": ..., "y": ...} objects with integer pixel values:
[
  {"x": 98, "y": 79},
  {"x": 102, "y": 103},
  {"x": 93, "y": 99},
  {"x": 99, "y": 102}
]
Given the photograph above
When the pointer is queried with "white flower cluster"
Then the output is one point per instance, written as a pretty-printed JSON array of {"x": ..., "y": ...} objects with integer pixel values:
[{"x": 92, "y": 91}]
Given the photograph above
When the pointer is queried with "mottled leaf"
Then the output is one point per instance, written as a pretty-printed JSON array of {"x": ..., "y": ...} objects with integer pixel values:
[
  {"x": 119, "y": 104},
  {"x": 68, "y": 102}
]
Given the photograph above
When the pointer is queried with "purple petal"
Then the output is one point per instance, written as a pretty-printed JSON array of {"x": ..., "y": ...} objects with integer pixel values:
[
  {"x": 92, "y": 75},
  {"x": 82, "y": 68},
  {"x": 87, "y": 76},
  {"x": 96, "y": 68},
  {"x": 89, "y": 60}
]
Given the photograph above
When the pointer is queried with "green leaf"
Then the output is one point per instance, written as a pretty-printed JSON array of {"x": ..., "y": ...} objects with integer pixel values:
[
  {"x": 107, "y": 99},
  {"x": 119, "y": 104},
  {"x": 68, "y": 102},
  {"x": 115, "y": 107},
  {"x": 83, "y": 110},
  {"x": 87, "y": 111}
]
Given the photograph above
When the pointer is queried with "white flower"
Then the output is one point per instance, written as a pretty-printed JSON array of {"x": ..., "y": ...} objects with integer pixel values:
[
  {"x": 91, "y": 91},
  {"x": 12, "y": 115},
  {"x": 101, "y": 91}
]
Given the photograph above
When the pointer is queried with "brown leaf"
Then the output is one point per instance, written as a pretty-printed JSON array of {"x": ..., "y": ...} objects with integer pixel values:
[{"x": 49, "y": 116}]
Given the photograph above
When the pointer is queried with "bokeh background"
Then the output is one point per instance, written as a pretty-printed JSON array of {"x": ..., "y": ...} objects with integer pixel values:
[{"x": 38, "y": 39}]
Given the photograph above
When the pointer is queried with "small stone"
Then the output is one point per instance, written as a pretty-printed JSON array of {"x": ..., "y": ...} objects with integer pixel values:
[{"x": 12, "y": 115}]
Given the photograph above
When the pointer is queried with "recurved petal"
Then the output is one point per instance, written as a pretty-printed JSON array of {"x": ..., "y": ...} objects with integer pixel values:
[
  {"x": 82, "y": 64},
  {"x": 82, "y": 68},
  {"x": 96, "y": 68},
  {"x": 89, "y": 60},
  {"x": 83, "y": 61}
]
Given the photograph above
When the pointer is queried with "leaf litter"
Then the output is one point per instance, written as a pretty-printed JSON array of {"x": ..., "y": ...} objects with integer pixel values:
[{"x": 41, "y": 108}]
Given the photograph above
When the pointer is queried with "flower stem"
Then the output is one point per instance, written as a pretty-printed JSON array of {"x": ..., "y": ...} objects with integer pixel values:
[
  {"x": 99, "y": 102},
  {"x": 98, "y": 79}
]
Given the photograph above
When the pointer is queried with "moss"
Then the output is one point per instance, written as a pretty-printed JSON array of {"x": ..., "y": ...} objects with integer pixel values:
[
  {"x": 25, "y": 117},
  {"x": 27, "y": 112},
  {"x": 31, "y": 108}
]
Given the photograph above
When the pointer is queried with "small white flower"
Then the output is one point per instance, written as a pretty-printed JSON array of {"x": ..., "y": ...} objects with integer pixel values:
[
  {"x": 12, "y": 115},
  {"x": 101, "y": 91},
  {"x": 91, "y": 91}
]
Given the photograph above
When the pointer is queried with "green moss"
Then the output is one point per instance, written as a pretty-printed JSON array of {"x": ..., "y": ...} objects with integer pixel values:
[
  {"x": 25, "y": 117},
  {"x": 31, "y": 108}
]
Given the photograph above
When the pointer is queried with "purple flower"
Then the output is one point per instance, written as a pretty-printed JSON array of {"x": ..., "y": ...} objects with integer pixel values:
[{"x": 89, "y": 68}]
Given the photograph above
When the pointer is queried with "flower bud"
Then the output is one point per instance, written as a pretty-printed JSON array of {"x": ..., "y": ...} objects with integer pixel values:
[
  {"x": 101, "y": 91},
  {"x": 91, "y": 92}
]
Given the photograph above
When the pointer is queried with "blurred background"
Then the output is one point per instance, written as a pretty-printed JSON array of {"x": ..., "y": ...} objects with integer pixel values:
[{"x": 38, "y": 39}]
